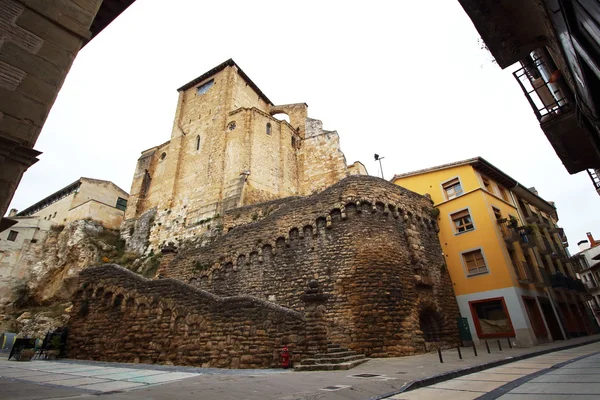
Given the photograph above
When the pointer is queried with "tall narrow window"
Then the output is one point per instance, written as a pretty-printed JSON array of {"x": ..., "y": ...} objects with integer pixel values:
[
  {"x": 497, "y": 213},
  {"x": 12, "y": 236},
  {"x": 486, "y": 184},
  {"x": 452, "y": 188},
  {"x": 269, "y": 128},
  {"x": 198, "y": 142}
]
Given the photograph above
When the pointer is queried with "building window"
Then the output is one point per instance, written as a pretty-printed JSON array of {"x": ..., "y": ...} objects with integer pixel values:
[
  {"x": 497, "y": 213},
  {"x": 269, "y": 128},
  {"x": 163, "y": 156},
  {"x": 474, "y": 262},
  {"x": 504, "y": 194},
  {"x": 462, "y": 221},
  {"x": 54, "y": 215},
  {"x": 486, "y": 184},
  {"x": 231, "y": 126},
  {"x": 198, "y": 142},
  {"x": 452, "y": 188},
  {"x": 491, "y": 319},
  {"x": 204, "y": 87},
  {"x": 121, "y": 203},
  {"x": 12, "y": 236}
]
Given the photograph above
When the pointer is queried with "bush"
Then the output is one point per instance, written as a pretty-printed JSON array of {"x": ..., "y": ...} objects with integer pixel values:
[{"x": 22, "y": 295}]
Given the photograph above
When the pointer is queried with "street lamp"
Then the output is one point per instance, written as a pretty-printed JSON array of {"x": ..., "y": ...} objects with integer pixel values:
[{"x": 378, "y": 158}]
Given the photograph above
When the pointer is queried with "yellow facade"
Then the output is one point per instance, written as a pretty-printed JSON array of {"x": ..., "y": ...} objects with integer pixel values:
[
  {"x": 486, "y": 235},
  {"x": 502, "y": 247}
]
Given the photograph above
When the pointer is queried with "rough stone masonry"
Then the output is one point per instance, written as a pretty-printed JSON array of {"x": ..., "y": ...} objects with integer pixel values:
[{"x": 371, "y": 246}]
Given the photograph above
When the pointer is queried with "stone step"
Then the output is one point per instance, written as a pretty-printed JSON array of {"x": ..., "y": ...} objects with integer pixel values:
[
  {"x": 336, "y": 354},
  {"x": 336, "y": 349},
  {"x": 330, "y": 367},
  {"x": 339, "y": 360}
]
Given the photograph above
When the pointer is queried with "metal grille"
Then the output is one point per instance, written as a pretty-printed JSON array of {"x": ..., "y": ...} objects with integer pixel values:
[{"x": 545, "y": 97}]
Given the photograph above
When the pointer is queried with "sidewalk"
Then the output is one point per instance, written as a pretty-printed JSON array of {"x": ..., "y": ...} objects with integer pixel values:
[
  {"x": 370, "y": 380},
  {"x": 557, "y": 375}
]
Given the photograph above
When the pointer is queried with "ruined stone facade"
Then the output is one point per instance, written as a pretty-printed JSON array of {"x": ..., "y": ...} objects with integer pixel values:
[
  {"x": 371, "y": 246},
  {"x": 227, "y": 151}
]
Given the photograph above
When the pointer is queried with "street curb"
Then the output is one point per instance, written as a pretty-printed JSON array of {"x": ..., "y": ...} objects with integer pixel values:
[{"x": 445, "y": 376}]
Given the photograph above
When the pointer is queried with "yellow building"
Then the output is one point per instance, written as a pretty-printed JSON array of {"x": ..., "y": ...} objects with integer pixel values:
[{"x": 506, "y": 256}]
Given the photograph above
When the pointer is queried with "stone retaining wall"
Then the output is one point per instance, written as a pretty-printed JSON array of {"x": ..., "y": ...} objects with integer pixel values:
[{"x": 120, "y": 316}]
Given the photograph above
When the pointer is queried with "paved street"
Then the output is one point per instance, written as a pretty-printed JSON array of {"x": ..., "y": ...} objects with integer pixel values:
[
  {"x": 69, "y": 379},
  {"x": 553, "y": 376}
]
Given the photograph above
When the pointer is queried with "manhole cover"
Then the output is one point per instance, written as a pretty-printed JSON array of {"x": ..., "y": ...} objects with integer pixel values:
[
  {"x": 366, "y": 375},
  {"x": 335, "y": 387}
]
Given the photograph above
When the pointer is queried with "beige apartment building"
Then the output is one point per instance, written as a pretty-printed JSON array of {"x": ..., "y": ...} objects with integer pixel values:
[
  {"x": 22, "y": 243},
  {"x": 85, "y": 198}
]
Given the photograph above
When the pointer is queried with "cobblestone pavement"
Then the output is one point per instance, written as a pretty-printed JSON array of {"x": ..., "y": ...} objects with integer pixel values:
[
  {"x": 567, "y": 374},
  {"x": 76, "y": 379}
]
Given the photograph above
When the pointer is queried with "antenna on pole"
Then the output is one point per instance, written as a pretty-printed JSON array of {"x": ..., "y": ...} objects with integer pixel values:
[{"x": 379, "y": 158}]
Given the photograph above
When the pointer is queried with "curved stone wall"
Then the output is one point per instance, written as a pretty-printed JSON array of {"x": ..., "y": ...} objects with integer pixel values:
[{"x": 371, "y": 245}]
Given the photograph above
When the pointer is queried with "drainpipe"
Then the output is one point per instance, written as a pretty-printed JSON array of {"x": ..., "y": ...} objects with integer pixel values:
[{"x": 546, "y": 75}]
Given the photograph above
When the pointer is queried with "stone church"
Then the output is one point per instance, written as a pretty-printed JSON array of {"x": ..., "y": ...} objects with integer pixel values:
[
  {"x": 226, "y": 151},
  {"x": 268, "y": 239}
]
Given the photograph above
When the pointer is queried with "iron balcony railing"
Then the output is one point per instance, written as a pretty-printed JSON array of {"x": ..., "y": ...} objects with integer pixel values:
[
  {"x": 524, "y": 272},
  {"x": 545, "y": 248},
  {"x": 591, "y": 285},
  {"x": 511, "y": 233},
  {"x": 541, "y": 89}
]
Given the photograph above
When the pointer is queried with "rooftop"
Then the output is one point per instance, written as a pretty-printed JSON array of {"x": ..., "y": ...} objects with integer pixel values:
[
  {"x": 219, "y": 68},
  {"x": 481, "y": 164},
  {"x": 60, "y": 194}
]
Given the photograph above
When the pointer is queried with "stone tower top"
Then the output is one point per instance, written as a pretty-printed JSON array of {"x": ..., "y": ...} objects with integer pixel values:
[{"x": 227, "y": 150}]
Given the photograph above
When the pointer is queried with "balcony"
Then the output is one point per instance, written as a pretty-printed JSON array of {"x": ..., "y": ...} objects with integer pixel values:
[
  {"x": 545, "y": 281},
  {"x": 512, "y": 233},
  {"x": 552, "y": 102},
  {"x": 509, "y": 231},
  {"x": 532, "y": 219},
  {"x": 591, "y": 285},
  {"x": 558, "y": 281},
  {"x": 525, "y": 273},
  {"x": 545, "y": 248}
]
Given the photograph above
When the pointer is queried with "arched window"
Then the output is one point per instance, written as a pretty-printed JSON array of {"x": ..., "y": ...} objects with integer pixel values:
[
  {"x": 198, "y": 142},
  {"x": 269, "y": 128}
]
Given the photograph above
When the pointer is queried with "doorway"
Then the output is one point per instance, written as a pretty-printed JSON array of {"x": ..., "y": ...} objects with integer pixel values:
[{"x": 550, "y": 318}]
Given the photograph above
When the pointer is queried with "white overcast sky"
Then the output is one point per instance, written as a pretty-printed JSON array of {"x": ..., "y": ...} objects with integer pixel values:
[{"x": 407, "y": 80}]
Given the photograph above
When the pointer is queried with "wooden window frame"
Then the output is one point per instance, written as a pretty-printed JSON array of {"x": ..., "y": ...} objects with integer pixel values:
[
  {"x": 466, "y": 266},
  {"x": 476, "y": 319},
  {"x": 454, "y": 218},
  {"x": 450, "y": 183}
]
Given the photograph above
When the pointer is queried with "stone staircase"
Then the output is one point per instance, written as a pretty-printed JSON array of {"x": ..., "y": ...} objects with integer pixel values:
[{"x": 337, "y": 358}]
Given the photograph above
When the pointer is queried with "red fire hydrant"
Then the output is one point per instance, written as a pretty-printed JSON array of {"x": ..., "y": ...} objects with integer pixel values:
[{"x": 285, "y": 357}]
